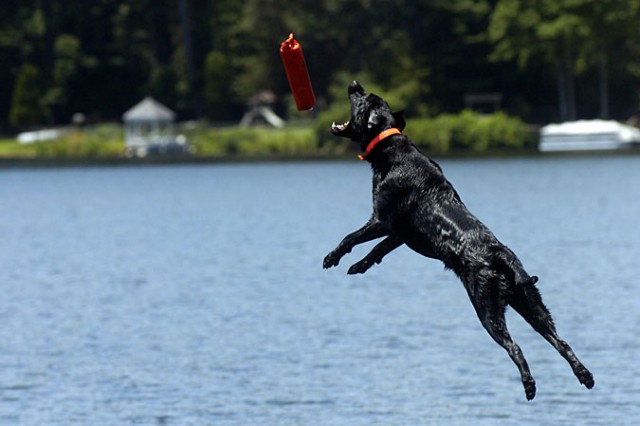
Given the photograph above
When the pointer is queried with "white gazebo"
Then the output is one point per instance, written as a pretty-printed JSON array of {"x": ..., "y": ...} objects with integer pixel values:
[{"x": 148, "y": 125}]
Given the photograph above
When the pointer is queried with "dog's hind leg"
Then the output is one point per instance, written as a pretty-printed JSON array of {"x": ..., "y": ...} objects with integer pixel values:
[
  {"x": 495, "y": 325},
  {"x": 528, "y": 303},
  {"x": 375, "y": 255},
  {"x": 490, "y": 308}
]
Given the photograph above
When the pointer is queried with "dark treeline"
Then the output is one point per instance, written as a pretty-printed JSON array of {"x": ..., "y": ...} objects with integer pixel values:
[{"x": 550, "y": 59}]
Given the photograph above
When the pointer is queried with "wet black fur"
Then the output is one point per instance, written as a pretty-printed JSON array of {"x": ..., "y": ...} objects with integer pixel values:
[{"x": 414, "y": 204}]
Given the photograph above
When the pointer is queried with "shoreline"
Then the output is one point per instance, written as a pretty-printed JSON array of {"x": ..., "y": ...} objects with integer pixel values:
[{"x": 121, "y": 161}]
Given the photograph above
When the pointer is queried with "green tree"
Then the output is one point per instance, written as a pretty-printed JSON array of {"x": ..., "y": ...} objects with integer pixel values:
[
  {"x": 26, "y": 106},
  {"x": 256, "y": 37},
  {"x": 572, "y": 35},
  {"x": 222, "y": 63},
  {"x": 102, "y": 56},
  {"x": 217, "y": 90},
  {"x": 612, "y": 27},
  {"x": 540, "y": 30},
  {"x": 67, "y": 61}
]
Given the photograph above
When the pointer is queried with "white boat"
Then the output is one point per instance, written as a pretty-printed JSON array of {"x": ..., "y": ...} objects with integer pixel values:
[
  {"x": 26, "y": 138},
  {"x": 588, "y": 135}
]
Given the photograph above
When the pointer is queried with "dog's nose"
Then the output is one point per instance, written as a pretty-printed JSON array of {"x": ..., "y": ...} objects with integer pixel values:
[{"x": 355, "y": 87}]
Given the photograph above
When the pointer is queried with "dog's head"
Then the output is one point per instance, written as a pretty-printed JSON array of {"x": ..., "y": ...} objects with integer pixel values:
[{"x": 370, "y": 115}]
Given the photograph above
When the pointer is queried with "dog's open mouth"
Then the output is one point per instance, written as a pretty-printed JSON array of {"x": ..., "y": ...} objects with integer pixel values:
[{"x": 339, "y": 128}]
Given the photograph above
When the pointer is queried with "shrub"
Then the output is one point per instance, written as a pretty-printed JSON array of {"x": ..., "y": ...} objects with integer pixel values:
[
  {"x": 434, "y": 135},
  {"x": 255, "y": 140},
  {"x": 101, "y": 141},
  {"x": 468, "y": 131}
]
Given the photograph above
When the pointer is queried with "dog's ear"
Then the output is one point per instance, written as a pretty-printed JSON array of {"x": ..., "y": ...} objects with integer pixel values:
[{"x": 399, "y": 118}]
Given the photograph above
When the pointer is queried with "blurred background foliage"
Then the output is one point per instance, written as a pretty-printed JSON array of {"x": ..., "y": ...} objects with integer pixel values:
[{"x": 550, "y": 59}]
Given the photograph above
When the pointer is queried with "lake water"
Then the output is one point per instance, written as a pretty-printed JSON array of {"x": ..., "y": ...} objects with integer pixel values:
[{"x": 195, "y": 295}]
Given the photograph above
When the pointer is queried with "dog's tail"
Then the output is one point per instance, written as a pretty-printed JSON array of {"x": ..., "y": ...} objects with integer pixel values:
[
  {"x": 504, "y": 261},
  {"x": 530, "y": 281}
]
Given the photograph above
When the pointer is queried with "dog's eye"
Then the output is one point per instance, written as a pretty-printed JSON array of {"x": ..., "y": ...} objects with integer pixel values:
[{"x": 373, "y": 121}]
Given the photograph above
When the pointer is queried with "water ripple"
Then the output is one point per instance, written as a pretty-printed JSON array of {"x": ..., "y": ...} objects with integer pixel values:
[{"x": 196, "y": 296}]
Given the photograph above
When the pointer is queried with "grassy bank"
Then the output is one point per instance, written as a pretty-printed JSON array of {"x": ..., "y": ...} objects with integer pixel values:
[
  {"x": 464, "y": 133},
  {"x": 258, "y": 141},
  {"x": 102, "y": 141}
]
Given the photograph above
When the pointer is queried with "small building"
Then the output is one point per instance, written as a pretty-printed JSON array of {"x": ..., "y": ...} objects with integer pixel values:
[
  {"x": 260, "y": 111},
  {"x": 150, "y": 127},
  {"x": 483, "y": 102}
]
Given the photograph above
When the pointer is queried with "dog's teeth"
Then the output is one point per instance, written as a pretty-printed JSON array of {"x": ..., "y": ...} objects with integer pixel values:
[{"x": 339, "y": 127}]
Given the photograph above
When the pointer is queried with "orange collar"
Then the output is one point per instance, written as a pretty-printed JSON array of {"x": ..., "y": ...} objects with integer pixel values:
[{"x": 375, "y": 141}]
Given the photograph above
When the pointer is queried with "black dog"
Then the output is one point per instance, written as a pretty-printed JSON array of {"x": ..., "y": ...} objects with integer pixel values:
[{"x": 414, "y": 204}]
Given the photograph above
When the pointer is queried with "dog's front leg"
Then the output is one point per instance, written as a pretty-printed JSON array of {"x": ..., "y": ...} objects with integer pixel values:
[
  {"x": 383, "y": 248},
  {"x": 370, "y": 231}
]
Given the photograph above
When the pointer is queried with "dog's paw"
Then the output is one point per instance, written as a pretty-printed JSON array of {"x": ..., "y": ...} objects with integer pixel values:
[
  {"x": 586, "y": 378},
  {"x": 530, "y": 389},
  {"x": 331, "y": 260},
  {"x": 360, "y": 267}
]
